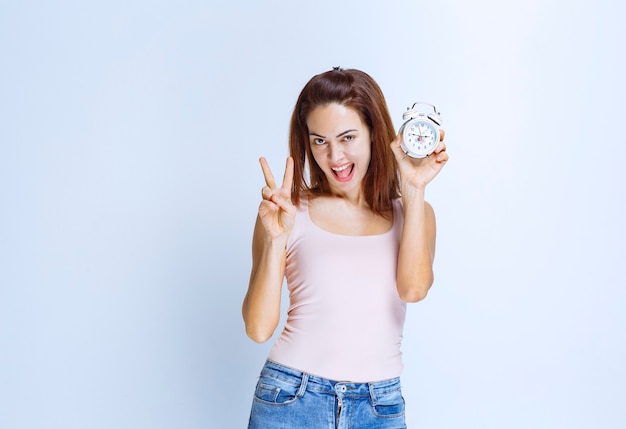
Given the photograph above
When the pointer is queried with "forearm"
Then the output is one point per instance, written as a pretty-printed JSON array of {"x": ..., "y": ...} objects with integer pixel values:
[
  {"x": 261, "y": 306},
  {"x": 417, "y": 245}
]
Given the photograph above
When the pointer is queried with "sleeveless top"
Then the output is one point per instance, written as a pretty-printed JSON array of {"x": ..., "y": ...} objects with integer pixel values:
[{"x": 345, "y": 317}]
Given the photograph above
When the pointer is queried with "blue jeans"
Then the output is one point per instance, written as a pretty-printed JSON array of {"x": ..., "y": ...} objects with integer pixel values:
[{"x": 290, "y": 399}]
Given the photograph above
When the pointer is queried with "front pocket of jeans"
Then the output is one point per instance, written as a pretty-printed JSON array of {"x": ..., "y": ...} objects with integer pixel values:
[
  {"x": 275, "y": 391},
  {"x": 390, "y": 404}
]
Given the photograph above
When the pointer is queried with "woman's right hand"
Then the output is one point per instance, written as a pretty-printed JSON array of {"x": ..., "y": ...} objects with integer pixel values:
[
  {"x": 276, "y": 211},
  {"x": 261, "y": 306}
]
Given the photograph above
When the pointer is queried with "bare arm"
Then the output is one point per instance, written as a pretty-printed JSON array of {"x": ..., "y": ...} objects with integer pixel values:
[
  {"x": 261, "y": 305},
  {"x": 417, "y": 244},
  {"x": 417, "y": 247}
]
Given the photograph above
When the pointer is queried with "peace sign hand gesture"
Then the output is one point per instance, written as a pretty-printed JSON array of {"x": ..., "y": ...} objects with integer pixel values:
[{"x": 276, "y": 211}]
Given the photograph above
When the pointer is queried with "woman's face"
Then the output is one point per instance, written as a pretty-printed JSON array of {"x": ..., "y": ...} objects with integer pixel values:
[{"x": 341, "y": 146}]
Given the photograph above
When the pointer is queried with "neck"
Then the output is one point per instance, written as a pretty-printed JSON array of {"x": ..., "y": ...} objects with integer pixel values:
[{"x": 353, "y": 198}]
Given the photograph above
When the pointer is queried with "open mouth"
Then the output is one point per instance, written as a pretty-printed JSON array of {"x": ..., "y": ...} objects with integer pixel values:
[{"x": 343, "y": 173}]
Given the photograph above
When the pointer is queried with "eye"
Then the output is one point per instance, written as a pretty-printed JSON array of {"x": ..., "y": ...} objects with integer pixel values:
[
  {"x": 349, "y": 138},
  {"x": 318, "y": 141}
]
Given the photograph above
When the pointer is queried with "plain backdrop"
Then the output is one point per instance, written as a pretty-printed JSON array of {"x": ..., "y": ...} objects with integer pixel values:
[{"x": 130, "y": 133}]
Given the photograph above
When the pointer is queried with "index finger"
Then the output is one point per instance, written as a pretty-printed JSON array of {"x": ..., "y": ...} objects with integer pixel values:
[
  {"x": 267, "y": 174},
  {"x": 288, "y": 176}
]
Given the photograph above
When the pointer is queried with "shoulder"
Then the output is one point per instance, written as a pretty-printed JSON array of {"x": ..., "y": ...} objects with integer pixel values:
[
  {"x": 397, "y": 203},
  {"x": 304, "y": 202}
]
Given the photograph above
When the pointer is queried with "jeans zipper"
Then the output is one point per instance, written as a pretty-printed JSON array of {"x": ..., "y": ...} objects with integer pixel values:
[{"x": 339, "y": 404}]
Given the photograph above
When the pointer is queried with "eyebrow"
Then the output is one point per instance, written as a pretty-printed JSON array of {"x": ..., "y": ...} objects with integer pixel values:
[{"x": 338, "y": 135}]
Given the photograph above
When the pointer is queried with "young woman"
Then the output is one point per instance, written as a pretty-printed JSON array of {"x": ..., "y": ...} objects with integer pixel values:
[{"x": 356, "y": 242}]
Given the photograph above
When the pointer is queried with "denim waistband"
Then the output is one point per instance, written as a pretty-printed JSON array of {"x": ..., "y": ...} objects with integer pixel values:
[{"x": 324, "y": 385}]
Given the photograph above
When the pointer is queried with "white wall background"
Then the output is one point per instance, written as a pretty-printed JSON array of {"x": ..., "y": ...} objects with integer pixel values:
[{"x": 129, "y": 183}]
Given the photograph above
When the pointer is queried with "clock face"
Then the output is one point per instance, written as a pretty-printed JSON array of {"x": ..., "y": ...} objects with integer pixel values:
[{"x": 420, "y": 138}]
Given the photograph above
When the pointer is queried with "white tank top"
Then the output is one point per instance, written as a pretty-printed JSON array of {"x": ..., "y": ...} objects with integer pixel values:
[{"x": 345, "y": 317}]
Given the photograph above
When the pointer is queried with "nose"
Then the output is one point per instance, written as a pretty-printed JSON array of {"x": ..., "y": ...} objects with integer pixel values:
[{"x": 335, "y": 152}]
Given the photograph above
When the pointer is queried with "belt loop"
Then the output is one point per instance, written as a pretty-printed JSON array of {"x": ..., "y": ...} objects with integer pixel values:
[
  {"x": 302, "y": 389},
  {"x": 372, "y": 393}
]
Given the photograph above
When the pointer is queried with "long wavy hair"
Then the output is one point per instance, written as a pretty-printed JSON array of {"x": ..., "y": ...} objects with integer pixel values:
[{"x": 357, "y": 90}]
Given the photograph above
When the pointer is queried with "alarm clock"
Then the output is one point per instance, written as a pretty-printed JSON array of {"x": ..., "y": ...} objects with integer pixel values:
[{"x": 420, "y": 131}]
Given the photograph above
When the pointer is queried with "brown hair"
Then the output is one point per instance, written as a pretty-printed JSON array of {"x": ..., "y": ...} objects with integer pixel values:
[{"x": 357, "y": 90}]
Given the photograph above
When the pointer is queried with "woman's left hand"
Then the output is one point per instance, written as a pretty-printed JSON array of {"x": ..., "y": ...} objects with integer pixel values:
[{"x": 419, "y": 172}]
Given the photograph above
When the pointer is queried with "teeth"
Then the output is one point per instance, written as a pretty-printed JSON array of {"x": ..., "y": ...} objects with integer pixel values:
[{"x": 341, "y": 168}]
